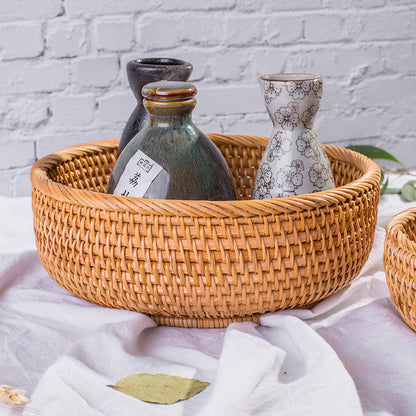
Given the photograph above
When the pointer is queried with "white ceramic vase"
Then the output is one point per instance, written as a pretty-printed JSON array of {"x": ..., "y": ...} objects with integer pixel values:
[{"x": 294, "y": 161}]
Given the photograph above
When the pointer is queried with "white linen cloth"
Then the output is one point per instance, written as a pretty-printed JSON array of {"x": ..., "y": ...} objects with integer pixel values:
[{"x": 349, "y": 355}]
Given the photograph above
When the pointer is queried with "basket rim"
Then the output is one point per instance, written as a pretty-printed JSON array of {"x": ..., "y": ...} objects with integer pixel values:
[
  {"x": 192, "y": 208},
  {"x": 396, "y": 233}
]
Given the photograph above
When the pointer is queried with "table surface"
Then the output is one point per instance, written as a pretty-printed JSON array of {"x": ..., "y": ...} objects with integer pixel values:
[{"x": 349, "y": 355}]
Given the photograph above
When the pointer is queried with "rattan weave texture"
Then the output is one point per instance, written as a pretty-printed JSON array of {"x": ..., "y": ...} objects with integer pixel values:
[
  {"x": 400, "y": 263},
  {"x": 201, "y": 263}
]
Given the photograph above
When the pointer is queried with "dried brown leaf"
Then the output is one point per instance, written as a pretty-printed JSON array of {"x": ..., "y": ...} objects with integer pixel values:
[{"x": 159, "y": 388}]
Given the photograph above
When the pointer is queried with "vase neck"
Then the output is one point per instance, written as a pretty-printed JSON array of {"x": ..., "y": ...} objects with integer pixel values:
[
  {"x": 292, "y": 104},
  {"x": 143, "y": 71},
  {"x": 169, "y": 103},
  {"x": 170, "y": 114}
]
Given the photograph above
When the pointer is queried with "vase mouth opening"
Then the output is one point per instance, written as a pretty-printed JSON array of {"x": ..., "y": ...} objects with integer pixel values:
[
  {"x": 290, "y": 77},
  {"x": 155, "y": 62}
]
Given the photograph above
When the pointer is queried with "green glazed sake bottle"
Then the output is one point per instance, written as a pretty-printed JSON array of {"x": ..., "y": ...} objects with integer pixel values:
[{"x": 170, "y": 158}]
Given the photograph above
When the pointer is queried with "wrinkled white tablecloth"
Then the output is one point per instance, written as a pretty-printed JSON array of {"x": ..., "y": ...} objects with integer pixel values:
[{"x": 349, "y": 355}]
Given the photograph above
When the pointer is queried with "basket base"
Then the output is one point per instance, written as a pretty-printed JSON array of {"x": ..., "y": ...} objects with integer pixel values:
[
  {"x": 187, "y": 322},
  {"x": 218, "y": 322}
]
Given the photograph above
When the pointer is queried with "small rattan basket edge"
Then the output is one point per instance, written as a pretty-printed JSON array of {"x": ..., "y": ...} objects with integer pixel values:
[{"x": 399, "y": 259}]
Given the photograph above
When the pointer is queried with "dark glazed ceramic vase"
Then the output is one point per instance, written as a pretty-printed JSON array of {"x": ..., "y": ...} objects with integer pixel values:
[
  {"x": 170, "y": 158},
  {"x": 141, "y": 72}
]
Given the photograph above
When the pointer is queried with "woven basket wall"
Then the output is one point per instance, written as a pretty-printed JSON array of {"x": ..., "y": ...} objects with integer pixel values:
[
  {"x": 400, "y": 263},
  {"x": 201, "y": 263}
]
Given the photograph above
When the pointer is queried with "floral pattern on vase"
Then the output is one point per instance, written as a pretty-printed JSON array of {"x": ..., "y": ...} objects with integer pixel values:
[
  {"x": 318, "y": 175},
  {"x": 308, "y": 116},
  {"x": 290, "y": 177},
  {"x": 265, "y": 181},
  {"x": 307, "y": 145},
  {"x": 270, "y": 92},
  {"x": 288, "y": 117},
  {"x": 280, "y": 144},
  {"x": 294, "y": 161},
  {"x": 317, "y": 88},
  {"x": 298, "y": 89}
]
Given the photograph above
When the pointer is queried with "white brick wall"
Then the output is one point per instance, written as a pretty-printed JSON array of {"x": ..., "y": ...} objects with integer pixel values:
[
  {"x": 66, "y": 39},
  {"x": 21, "y": 40},
  {"x": 63, "y": 81}
]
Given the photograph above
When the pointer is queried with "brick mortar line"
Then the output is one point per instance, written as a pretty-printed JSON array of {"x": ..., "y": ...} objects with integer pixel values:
[
  {"x": 301, "y": 13},
  {"x": 328, "y": 10},
  {"x": 280, "y": 13},
  {"x": 297, "y": 46}
]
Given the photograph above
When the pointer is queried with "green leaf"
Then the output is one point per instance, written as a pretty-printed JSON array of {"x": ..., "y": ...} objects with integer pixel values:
[
  {"x": 408, "y": 191},
  {"x": 374, "y": 152},
  {"x": 392, "y": 191},
  {"x": 384, "y": 186},
  {"x": 159, "y": 388}
]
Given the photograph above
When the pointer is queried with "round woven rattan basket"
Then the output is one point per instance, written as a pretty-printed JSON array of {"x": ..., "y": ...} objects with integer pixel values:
[
  {"x": 201, "y": 263},
  {"x": 400, "y": 263}
]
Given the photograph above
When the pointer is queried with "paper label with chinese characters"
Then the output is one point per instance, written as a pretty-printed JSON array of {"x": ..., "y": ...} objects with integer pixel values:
[{"x": 138, "y": 174}]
